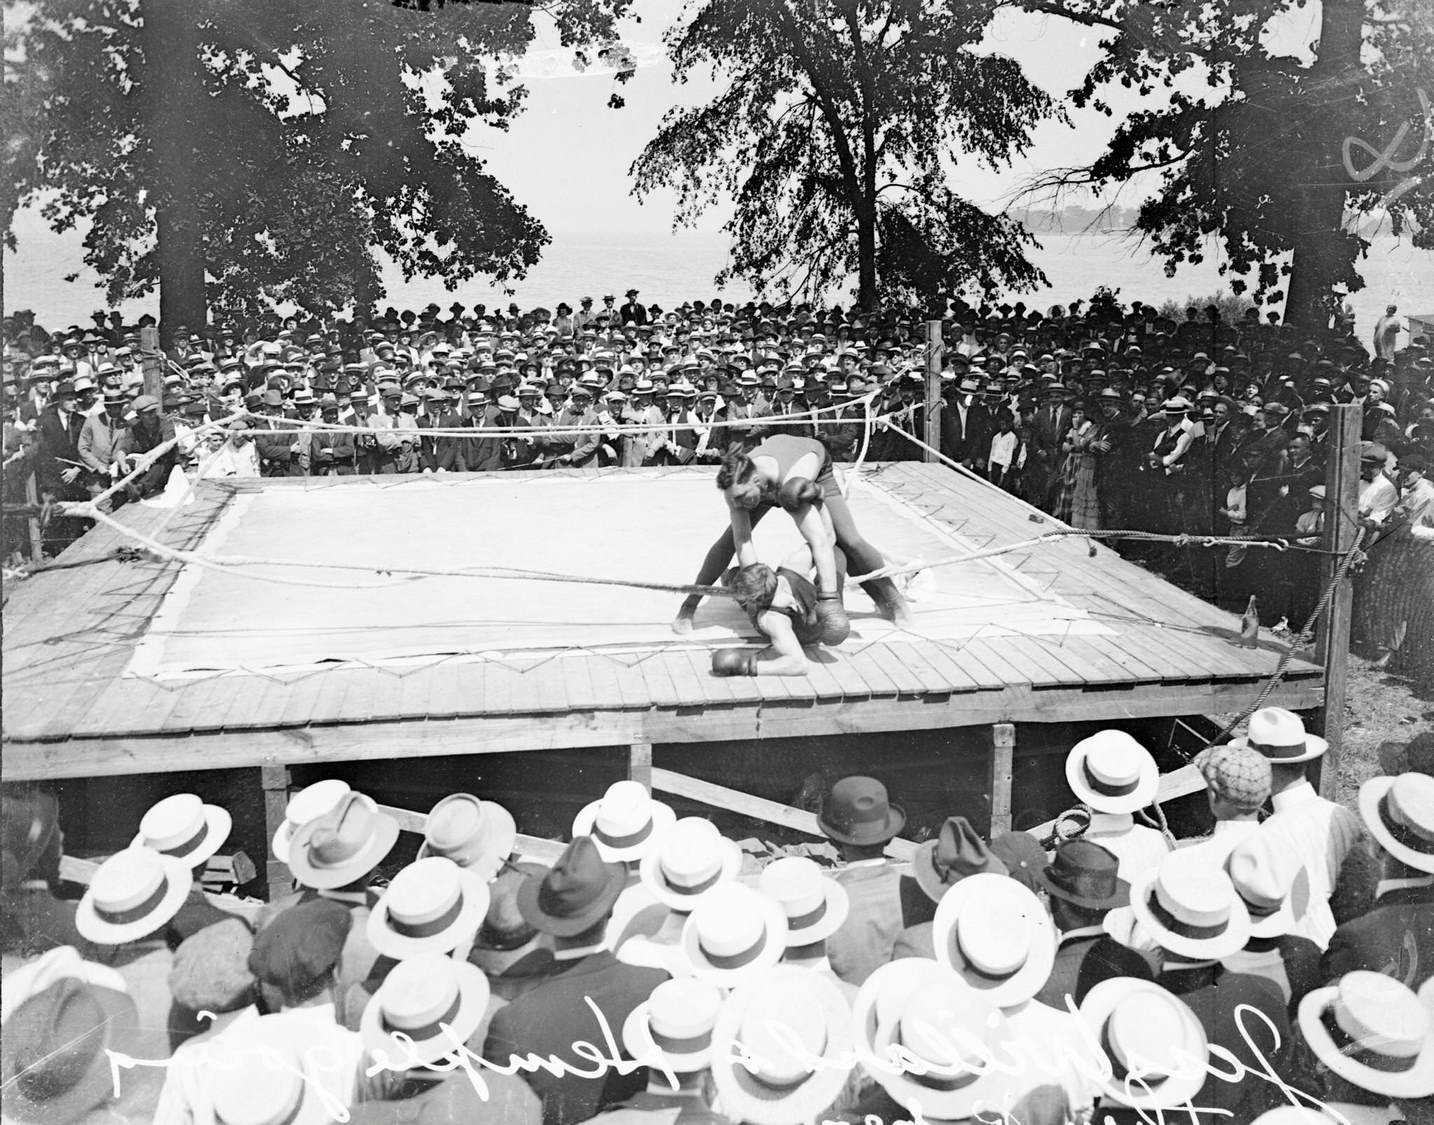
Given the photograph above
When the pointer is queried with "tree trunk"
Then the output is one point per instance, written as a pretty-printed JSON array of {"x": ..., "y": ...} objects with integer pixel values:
[
  {"x": 866, "y": 259},
  {"x": 173, "y": 98},
  {"x": 1322, "y": 251}
]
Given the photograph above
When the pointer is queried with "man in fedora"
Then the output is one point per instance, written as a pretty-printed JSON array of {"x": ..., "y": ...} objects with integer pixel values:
[
  {"x": 632, "y": 311},
  {"x": 859, "y": 818},
  {"x": 1396, "y": 936},
  {"x": 508, "y": 948},
  {"x": 1082, "y": 886},
  {"x": 333, "y": 858},
  {"x": 572, "y": 902},
  {"x": 1315, "y": 833}
]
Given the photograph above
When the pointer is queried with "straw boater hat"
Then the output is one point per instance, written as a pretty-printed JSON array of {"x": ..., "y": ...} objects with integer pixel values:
[
  {"x": 132, "y": 894},
  {"x": 507, "y": 944},
  {"x": 689, "y": 861},
  {"x": 815, "y": 905},
  {"x": 185, "y": 827},
  {"x": 956, "y": 853},
  {"x": 343, "y": 844},
  {"x": 476, "y": 835},
  {"x": 1374, "y": 1032},
  {"x": 1190, "y": 908},
  {"x": 928, "y": 1039},
  {"x": 1112, "y": 773},
  {"x": 734, "y": 934},
  {"x": 794, "y": 1029},
  {"x": 257, "y": 1081},
  {"x": 1280, "y": 736},
  {"x": 53, "y": 1062},
  {"x": 416, "y": 1000},
  {"x": 1156, "y": 1045},
  {"x": 625, "y": 823},
  {"x": 1399, "y": 813},
  {"x": 1293, "y": 1115},
  {"x": 672, "y": 1029},
  {"x": 1263, "y": 883},
  {"x": 432, "y": 906},
  {"x": 310, "y": 802},
  {"x": 996, "y": 934}
]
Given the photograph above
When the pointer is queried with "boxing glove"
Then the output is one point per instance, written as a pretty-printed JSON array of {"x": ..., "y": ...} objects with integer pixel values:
[
  {"x": 831, "y": 615},
  {"x": 734, "y": 662},
  {"x": 798, "y": 493}
]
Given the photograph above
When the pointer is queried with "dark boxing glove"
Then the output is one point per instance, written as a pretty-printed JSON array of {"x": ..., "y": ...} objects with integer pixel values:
[
  {"x": 798, "y": 493},
  {"x": 831, "y": 615},
  {"x": 734, "y": 662}
]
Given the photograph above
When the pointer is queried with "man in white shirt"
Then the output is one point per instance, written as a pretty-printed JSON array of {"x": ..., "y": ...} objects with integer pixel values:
[
  {"x": 1314, "y": 834},
  {"x": 1378, "y": 494},
  {"x": 1237, "y": 781}
]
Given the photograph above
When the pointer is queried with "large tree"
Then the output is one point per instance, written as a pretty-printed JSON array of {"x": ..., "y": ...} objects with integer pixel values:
[
  {"x": 242, "y": 154},
  {"x": 1287, "y": 144},
  {"x": 835, "y": 133}
]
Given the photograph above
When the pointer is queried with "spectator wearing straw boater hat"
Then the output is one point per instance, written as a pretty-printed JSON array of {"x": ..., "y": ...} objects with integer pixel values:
[
  {"x": 1237, "y": 785},
  {"x": 1396, "y": 936},
  {"x": 815, "y": 905},
  {"x": 625, "y": 823},
  {"x": 333, "y": 858},
  {"x": 796, "y": 1040},
  {"x": 1315, "y": 832},
  {"x": 928, "y": 1040},
  {"x": 735, "y": 934},
  {"x": 688, "y": 863},
  {"x": 859, "y": 818},
  {"x": 671, "y": 1033},
  {"x": 572, "y": 902},
  {"x": 1263, "y": 881},
  {"x": 1157, "y": 1049},
  {"x": 185, "y": 827},
  {"x": 1373, "y": 1044},
  {"x": 1193, "y": 914},
  {"x": 1082, "y": 886},
  {"x": 476, "y": 835},
  {"x": 428, "y": 1010},
  {"x": 53, "y": 1063},
  {"x": 1116, "y": 777},
  {"x": 269, "y": 1083},
  {"x": 510, "y": 950},
  {"x": 956, "y": 853},
  {"x": 307, "y": 804}
]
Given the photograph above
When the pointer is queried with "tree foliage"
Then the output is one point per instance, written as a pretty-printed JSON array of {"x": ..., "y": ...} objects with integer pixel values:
[
  {"x": 291, "y": 137},
  {"x": 834, "y": 135},
  {"x": 1261, "y": 142}
]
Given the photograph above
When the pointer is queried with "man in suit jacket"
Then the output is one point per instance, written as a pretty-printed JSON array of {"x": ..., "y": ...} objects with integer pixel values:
[
  {"x": 1396, "y": 936},
  {"x": 587, "y": 997},
  {"x": 965, "y": 426},
  {"x": 1049, "y": 428},
  {"x": 1082, "y": 886}
]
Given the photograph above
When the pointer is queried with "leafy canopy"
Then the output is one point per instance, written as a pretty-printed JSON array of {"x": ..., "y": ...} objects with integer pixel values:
[
  {"x": 834, "y": 137},
  {"x": 319, "y": 130}
]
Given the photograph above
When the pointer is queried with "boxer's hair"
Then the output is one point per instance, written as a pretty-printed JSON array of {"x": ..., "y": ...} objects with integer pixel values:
[
  {"x": 736, "y": 468},
  {"x": 754, "y": 587}
]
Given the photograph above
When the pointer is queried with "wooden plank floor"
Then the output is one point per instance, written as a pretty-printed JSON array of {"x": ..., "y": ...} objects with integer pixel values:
[{"x": 70, "y": 636}]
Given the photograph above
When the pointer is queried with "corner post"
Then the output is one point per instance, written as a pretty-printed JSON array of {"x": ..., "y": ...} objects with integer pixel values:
[
  {"x": 935, "y": 360},
  {"x": 1341, "y": 525},
  {"x": 639, "y": 763}
]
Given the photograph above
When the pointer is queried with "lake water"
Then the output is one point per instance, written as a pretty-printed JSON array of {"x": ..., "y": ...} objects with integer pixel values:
[{"x": 671, "y": 268}]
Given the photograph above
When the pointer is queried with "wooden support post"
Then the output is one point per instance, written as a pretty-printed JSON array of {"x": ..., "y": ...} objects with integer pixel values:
[
  {"x": 275, "y": 780},
  {"x": 37, "y": 536},
  {"x": 935, "y": 360},
  {"x": 639, "y": 763},
  {"x": 1341, "y": 525},
  {"x": 1003, "y": 768},
  {"x": 152, "y": 360}
]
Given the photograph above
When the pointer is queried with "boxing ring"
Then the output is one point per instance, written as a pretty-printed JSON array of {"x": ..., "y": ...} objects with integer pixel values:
[{"x": 650, "y": 526}]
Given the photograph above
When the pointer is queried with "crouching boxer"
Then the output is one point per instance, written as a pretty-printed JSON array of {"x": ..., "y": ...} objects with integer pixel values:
[
  {"x": 784, "y": 605},
  {"x": 795, "y": 473}
]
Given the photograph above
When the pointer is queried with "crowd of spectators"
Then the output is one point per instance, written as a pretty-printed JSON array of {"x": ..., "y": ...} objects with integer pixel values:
[
  {"x": 1106, "y": 415},
  {"x": 653, "y": 973}
]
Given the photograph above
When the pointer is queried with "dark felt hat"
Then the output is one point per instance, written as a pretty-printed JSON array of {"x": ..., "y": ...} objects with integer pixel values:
[
  {"x": 575, "y": 894},
  {"x": 957, "y": 851},
  {"x": 1085, "y": 874},
  {"x": 301, "y": 945},
  {"x": 857, "y": 811}
]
